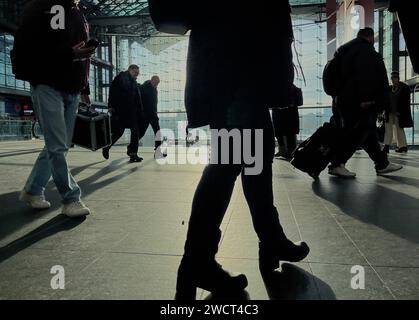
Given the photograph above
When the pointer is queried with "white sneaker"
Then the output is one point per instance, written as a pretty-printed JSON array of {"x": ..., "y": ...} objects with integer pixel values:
[
  {"x": 342, "y": 172},
  {"x": 75, "y": 210},
  {"x": 36, "y": 202},
  {"x": 390, "y": 168}
]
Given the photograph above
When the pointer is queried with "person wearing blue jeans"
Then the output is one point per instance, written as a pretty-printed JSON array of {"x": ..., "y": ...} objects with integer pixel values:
[
  {"x": 56, "y": 62},
  {"x": 56, "y": 112}
]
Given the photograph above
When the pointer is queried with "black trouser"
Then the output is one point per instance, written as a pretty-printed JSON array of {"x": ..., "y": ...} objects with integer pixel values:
[
  {"x": 144, "y": 123},
  {"x": 118, "y": 130},
  {"x": 359, "y": 130},
  {"x": 288, "y": 141},
  {"x": 213, "y": 195}
]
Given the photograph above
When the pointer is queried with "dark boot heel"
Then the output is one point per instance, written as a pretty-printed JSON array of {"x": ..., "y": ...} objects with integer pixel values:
[{"x": 270, "y": 256}]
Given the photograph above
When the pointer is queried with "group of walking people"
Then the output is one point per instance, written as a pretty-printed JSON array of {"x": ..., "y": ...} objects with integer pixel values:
[
  {"x": 219, "y": 94},
  {"x": 134, "y": 106}
]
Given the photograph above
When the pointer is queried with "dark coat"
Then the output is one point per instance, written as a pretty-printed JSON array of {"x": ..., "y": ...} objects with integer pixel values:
[
  {"x": 125, "y": 99},
  {"x": 403, "y": 107},
  {"x": 44, "y": 55},
  {"x": 149, "y": 97},
  {"x": 237, "y": 48},
  {"x": 286, "y": 121},
  {"x": 363, "y": 75}
]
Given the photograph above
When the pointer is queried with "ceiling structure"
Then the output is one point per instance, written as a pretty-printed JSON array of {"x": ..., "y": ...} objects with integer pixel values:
[{"x": 131, "y": 17}]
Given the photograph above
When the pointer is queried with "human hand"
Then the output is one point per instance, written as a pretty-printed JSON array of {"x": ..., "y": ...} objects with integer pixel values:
[{"x": 83, "y": 53}]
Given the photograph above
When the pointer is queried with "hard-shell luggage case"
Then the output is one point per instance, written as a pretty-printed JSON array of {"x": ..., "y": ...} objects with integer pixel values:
[
  {"x": 92, "y": 132},
  {"x": 313, "y": 155}
]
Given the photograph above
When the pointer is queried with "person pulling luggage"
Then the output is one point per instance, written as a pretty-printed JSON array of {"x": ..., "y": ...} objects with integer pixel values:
[{"x": 363, "y": 92}]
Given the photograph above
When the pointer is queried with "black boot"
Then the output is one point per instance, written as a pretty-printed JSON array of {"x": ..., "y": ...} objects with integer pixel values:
[
  {"x": 402, "y": 150},
  {"x": 208, "y": 276},
  {"x": 199, "y": 269},
  {"x": 277, "y": 247},
  {"x": 135, "y": 158},
  {"x": 270, "y": 255},
  {"x": 105, "y": 153},
  {"x": 386, "y": 149}
]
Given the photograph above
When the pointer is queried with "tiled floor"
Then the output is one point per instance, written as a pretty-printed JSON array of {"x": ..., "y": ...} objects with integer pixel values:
[{"x": 131, "y": 245}]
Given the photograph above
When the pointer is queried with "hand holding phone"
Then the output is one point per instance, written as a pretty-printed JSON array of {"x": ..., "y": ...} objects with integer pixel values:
[{"x": 92, "y": 43}]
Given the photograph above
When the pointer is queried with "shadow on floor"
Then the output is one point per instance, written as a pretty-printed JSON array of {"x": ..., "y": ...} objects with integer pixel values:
[
  {"x": 294, "y": 283},
  {"x": 15, "y": 215},
  {"x": 19, "y": 153},
  {"x": 373, "y": 204},
  {"x": 54, "y": 226},
  {"x": 291, "y": 283}
]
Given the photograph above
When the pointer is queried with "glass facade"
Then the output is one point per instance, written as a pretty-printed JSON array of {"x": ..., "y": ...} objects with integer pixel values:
[
  {"x": 7, "y": 78},
  {"x": 165, "y": 56}
]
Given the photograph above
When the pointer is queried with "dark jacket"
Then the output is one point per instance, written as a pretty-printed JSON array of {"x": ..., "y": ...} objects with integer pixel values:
[
  {"x": 236, "y": 48},
  {"x": 403, "y": 107},
  {"x": 286, "y": 120},
  {"x": 149, "y": 97},
  {"x": 125, "y": 99},
  {"x": 45, "y": 55},
  {"x": 363, "y": 77}
]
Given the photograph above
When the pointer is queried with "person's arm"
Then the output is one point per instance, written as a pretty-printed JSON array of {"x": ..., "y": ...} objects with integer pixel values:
[
  {"x": 383, "y": 96},
  {"x": 85, "y": 95}
]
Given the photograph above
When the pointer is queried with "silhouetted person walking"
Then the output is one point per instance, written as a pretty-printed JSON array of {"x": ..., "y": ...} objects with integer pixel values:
[
  {"x": 286, "y": 122},
  {"x": 399, "y": 115},
  {"x": 126, "y": 108},
  {"x": 219, "y": 93},
  {"x": 149, "y": 96},
  {"x": 363, "y": 93}
]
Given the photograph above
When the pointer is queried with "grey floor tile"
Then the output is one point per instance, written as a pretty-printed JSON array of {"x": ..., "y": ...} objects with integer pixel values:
[
  {"x": 338, "y": 279},
  {"x": 403, "y": 282}
]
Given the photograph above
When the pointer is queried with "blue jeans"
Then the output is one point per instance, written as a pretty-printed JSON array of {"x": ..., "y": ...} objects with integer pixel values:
[{"x": 56, "y": 112}]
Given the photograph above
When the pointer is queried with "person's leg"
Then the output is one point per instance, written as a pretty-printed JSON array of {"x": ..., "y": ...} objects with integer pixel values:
[
  {"x": 41, "y": 171},
  {"x": 388, "y": 137},
  {"x": 291, "y": 142},
  {"x": 372, "y": 147},
  {"x": 157, "y": 133},
  {"x": 53, "y": 106},
  {"x": 199, "y": 267},
  {"x": 353, "y": 134},
  {"x": 278, "y": 135},
  {"x": 117, "y": 131},
  {"x": 132, "y": 149},
  {"x": 258, "y": 191},
  {"x": 217, "y": 182},
  {"x": 400, "y": 137}
]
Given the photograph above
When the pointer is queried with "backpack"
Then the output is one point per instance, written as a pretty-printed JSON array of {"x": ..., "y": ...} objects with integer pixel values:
[{"x": 331, "y": 79}]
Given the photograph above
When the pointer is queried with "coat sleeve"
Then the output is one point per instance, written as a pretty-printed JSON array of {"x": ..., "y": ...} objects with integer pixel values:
[{"x": 382, "y": 98}]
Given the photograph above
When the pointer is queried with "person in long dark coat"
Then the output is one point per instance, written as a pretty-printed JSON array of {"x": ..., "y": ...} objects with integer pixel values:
[
  {"x": 126, "y": 108},
  {"x": 286, "y": 123},
  {"x": 399, "y": 116},
  {"x": 236, "y": 52}
]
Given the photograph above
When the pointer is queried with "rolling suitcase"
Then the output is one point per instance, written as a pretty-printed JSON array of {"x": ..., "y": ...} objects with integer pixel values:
[
  {"x": 92, "y": 130},
  {"x": 313, "y": 155}
]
